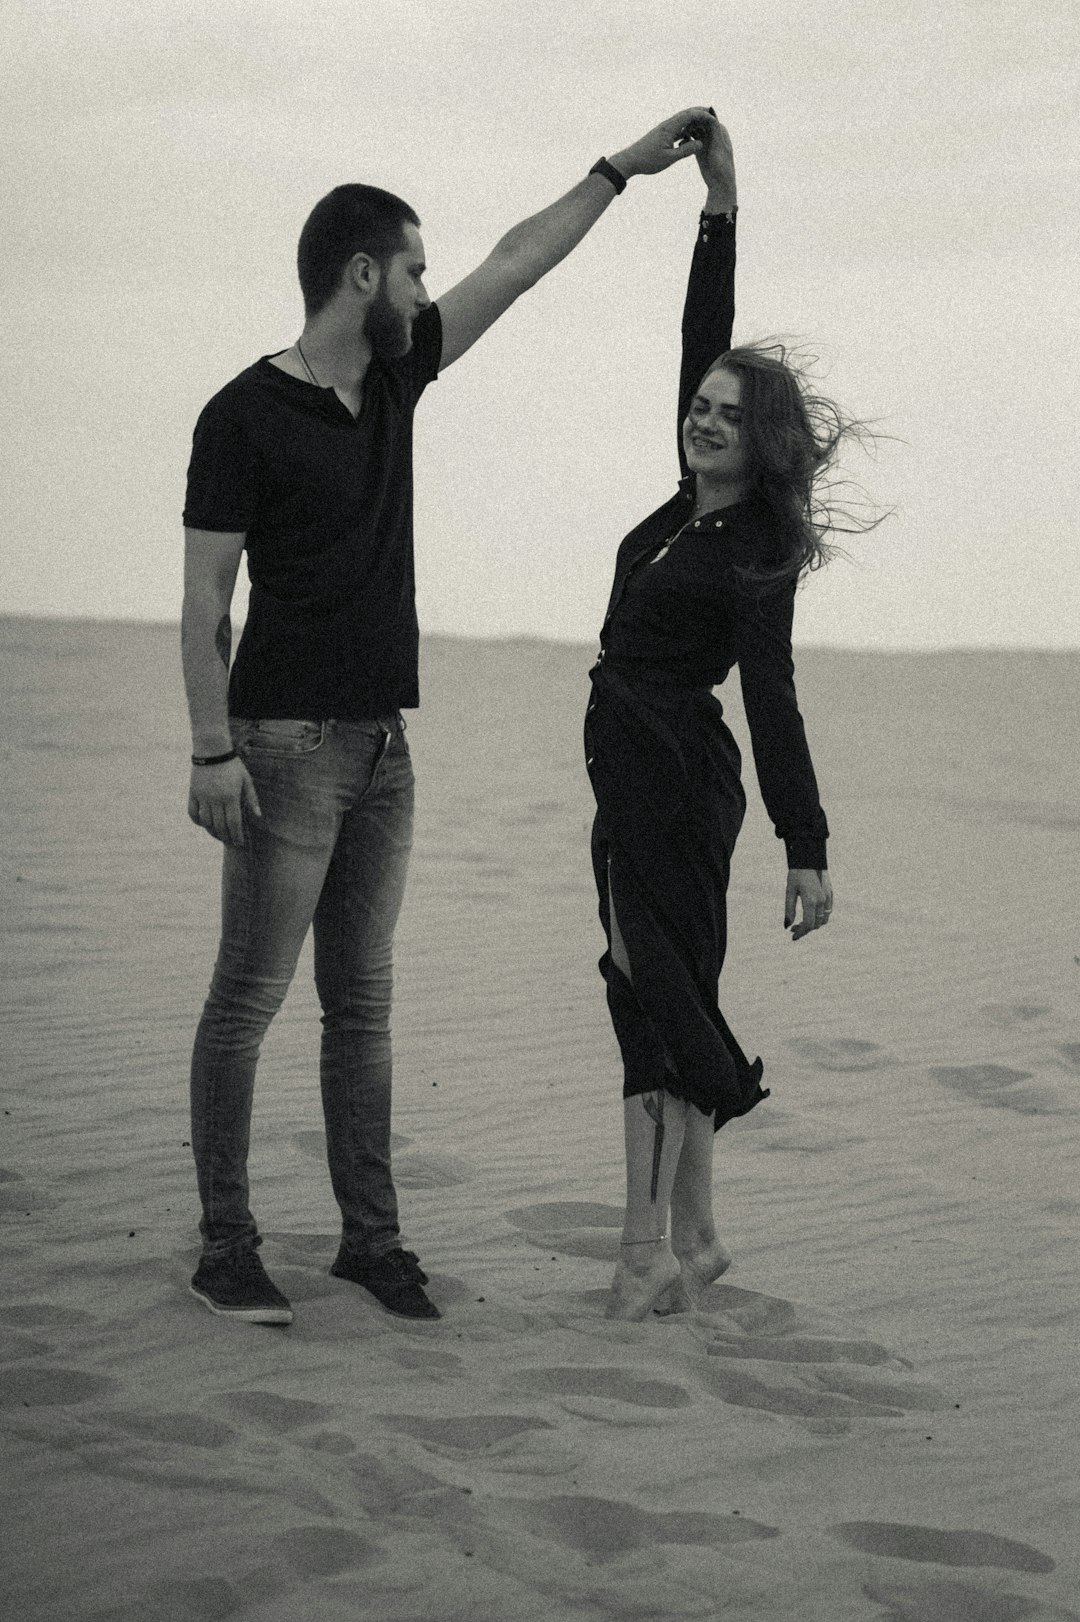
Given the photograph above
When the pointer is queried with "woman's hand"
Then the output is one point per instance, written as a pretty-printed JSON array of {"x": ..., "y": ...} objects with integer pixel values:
[
  {"x": 716, "y": 160},
  {"x": 811, "y": 889},
  {"x": 668, "y": 143}
]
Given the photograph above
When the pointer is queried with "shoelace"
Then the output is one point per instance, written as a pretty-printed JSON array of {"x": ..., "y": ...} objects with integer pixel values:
[{"x": 406, "y": 1264}]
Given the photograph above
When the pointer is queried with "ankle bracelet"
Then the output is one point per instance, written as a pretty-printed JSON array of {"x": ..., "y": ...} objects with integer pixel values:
[{"x": 657, "y": 1241}]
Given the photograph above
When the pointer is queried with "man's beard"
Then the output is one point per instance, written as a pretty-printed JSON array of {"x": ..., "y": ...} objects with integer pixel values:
[{"x": 387, "y": 332}]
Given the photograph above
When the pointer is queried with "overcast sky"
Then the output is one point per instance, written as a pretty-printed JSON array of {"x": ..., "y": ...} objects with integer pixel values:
[{"x": 908, "y": 210}]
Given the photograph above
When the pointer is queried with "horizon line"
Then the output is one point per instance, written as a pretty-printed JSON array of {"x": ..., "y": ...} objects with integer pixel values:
[{"x": 29, "y": 616}]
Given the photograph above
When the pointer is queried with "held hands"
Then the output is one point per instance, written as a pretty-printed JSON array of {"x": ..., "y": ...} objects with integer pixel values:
[
  {"x": 219, "y": 797},
  {"x": 811, "y": 889},
  {"x": 662, "y": 146}
]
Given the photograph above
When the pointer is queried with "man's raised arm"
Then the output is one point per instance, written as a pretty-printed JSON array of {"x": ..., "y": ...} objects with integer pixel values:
[{"x": 531, "y": 249}]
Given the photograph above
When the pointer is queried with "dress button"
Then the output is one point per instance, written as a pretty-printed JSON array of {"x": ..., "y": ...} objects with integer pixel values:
[{"x": 719, "y": 523}]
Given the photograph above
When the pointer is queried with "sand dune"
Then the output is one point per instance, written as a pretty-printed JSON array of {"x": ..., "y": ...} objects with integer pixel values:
[{"x": 874, "y": 1414}]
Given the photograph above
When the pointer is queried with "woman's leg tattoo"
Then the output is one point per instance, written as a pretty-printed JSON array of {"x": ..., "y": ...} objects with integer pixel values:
[{"x": 654, "y": 1108}]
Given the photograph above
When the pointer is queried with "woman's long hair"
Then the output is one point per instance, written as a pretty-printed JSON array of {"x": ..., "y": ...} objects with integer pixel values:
[{"x": 792, "y": 437}]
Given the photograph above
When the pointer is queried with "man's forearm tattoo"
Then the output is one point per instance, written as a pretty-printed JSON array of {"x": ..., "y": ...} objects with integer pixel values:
[
  {"x": 223, "y": 639},
  {"x": 654, "y": 1108}
]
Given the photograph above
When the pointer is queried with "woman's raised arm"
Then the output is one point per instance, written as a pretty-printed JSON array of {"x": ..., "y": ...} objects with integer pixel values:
[{"x": 709, "y": 311}]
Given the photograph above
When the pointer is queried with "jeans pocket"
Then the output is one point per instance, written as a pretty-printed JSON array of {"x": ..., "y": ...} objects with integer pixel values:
[{"x": 284, "y": 738}]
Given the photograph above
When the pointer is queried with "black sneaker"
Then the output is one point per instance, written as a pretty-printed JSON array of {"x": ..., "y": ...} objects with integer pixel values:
[
  {"x": 394, "y": 1279},
  {"x": 237, "y": 1286}
]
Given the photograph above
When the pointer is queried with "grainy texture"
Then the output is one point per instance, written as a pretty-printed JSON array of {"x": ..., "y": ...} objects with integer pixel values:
[{"x": 876, "y": 1411}]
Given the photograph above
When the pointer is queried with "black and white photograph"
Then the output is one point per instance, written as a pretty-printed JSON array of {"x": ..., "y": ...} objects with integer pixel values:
[{"x": 540, "y": 811}]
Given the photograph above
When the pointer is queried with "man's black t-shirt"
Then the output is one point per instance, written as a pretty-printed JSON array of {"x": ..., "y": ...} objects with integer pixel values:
[{"x": 325, "y": 503}]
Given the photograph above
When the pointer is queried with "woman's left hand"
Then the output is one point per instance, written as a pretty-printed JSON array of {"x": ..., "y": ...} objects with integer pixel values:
[
  {"x": 716, "y": 160},
  {"x": 813, "y": 891}
]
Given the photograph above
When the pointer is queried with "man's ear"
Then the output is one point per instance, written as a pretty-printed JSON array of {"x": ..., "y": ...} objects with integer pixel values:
[{"x": 363, "y": 273}]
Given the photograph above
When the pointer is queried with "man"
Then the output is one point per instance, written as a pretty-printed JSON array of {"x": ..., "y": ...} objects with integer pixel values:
[{"x": 299, "y": 764}]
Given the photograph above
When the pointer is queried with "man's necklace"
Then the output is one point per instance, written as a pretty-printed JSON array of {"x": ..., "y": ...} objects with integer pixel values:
[{"x": 307, "y": 368}]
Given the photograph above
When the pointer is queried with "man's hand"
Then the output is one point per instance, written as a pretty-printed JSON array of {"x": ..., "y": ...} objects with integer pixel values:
[
  {"x": 716, "y": 160},
  {"x": 662, "y": 146},
  {"x": 219, "y": 797},
  {"x": 812, "y": 890}
]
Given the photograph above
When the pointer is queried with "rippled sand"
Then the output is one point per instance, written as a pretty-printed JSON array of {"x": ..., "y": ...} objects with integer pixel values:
[{"x": 874, "y": 1413}]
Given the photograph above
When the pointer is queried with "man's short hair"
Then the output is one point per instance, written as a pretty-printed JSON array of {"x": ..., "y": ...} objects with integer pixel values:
[{"x": 349, "y": 220}]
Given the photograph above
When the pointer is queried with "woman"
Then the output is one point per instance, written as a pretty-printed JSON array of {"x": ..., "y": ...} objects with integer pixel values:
[{"x": 705, "y": 583}]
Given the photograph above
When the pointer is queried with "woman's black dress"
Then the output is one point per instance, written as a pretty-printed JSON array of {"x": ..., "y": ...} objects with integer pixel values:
[{"x": 664, "y": 766}]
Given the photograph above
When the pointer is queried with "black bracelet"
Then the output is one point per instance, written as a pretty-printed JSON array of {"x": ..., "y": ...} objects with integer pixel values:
[
  {"x": 609, "y": 172},
  {"x": 214, "y": 760}
]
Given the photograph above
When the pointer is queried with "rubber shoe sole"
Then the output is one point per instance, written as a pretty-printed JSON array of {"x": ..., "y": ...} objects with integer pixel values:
[
  {"x": 240, "y": 1287},
  {"x": 250, "y": 1315}
]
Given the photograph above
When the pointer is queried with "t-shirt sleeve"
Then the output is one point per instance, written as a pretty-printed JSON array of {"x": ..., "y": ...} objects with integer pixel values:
[
  {"x": 426, "y": 351},
  {"x": 224, "y": 476}
]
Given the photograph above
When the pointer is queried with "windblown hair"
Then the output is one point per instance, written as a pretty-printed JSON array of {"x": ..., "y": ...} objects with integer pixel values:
[
  {"x": 792, "y": 438},
  {"x": 349, "y": 220}
]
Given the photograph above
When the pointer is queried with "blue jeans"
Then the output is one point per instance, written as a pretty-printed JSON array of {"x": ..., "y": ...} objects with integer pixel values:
[{"x": 330, "y": 850}]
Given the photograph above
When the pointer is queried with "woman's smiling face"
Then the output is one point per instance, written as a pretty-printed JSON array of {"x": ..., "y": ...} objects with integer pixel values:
[{"x": 711, "y": 430}]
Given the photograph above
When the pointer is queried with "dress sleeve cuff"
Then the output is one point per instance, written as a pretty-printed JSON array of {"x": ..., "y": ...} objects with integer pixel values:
[{"x": 806, "y": 853}]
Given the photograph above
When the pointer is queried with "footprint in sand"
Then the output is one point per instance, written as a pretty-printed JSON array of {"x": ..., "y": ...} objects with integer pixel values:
[
  {"x": 994, "y": 1085},
  {"x": 749, "y": 1312},
  {"x": 175, "y": 1430},
  {"x": 842, "y": 1053},
  {"x": 325, "y": 1551},
  {"x": 15, "y": 1347},
  {"x": 615, "y": 1384},
  {"x": 960, "y": 1602},
  {"x": 276, "y": 1413},
  {"x": 738, "y": 1311},
  {"x": 1010, "y": 1015},
  {"x": 18, "y": 1195},
  {"x": 801, "y": 1349},
  {"x": 902, "y": 1542},
  {"x": 571, "y": 1227},
  {"x": 818, "y": 1389},
  {"x": 44, "y": 1387},
  {"x": 807, "y": 1399},
  {"x": 327, "y": 1442},
  {"x": 471, "y": 1433},
  {"x": 602, "y": 1529},
  {"x": 430, "y": 1169},
  {"x": 821, "y": 1378}
]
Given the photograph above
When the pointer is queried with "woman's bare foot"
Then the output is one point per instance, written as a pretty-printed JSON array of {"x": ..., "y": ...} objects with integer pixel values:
[
  {"x": 644, "y": 1274},
  {"x": 699, "y": 1266}
]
